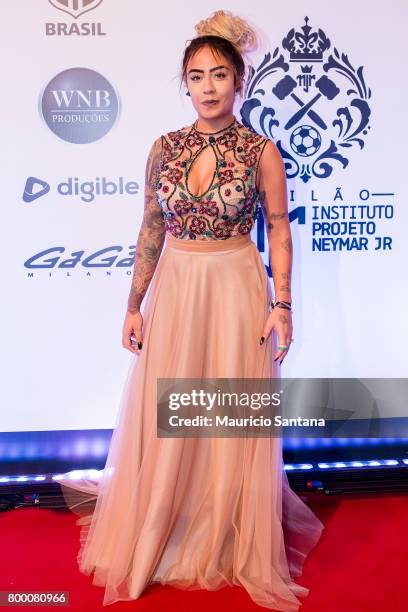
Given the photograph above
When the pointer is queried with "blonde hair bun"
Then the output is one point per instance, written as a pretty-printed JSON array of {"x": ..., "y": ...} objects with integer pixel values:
[{"x": 229, "y": 26}]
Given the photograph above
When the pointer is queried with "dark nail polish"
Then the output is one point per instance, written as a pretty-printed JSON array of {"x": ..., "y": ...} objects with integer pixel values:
[
  {"x": 262, "y": 340},
  {"x": 280, "y": 363},
  {"x": 139, "y": 345}
]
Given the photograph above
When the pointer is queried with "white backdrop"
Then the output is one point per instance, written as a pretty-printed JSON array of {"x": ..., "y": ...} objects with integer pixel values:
[{"x": 63, "y": 366}]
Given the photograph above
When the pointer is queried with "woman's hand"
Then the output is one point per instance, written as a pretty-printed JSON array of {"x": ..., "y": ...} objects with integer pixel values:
[
  {"x": 132, "y": 332},
  {"x": 279, "y": 319}
]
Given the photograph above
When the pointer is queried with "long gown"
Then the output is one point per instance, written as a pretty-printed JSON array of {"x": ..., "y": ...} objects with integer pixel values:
[{"x": 200, "y": 512}]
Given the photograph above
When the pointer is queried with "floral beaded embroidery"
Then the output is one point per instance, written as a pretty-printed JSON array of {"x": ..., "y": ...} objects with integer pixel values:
[{"x": 229, "y": 206}]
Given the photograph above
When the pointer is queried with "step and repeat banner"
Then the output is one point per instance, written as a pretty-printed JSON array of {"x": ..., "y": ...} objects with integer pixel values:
[{"x": 87, "y": 85}]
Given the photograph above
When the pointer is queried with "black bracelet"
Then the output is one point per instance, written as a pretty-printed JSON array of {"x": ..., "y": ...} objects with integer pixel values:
[{"x": 282, "y": 304}]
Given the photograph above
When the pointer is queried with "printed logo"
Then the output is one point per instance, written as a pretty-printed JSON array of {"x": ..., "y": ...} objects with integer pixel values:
[
  {"x": 79, "y": 105},
  {"x": 87, "y": 191},
  {"x": 314, "y": 101},
  {"x": 34, "y": 188},
  {"x": 58, "y": 257},
  {"x": 75, "y": 8}
]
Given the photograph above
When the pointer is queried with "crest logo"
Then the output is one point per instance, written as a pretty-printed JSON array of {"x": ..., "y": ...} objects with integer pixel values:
[
  {"x": 75, "y": 8},
  {"x": 312, "y": 102}
]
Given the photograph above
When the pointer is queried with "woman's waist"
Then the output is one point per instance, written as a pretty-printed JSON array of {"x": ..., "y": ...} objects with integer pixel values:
[{"x": 200, "y": 245}]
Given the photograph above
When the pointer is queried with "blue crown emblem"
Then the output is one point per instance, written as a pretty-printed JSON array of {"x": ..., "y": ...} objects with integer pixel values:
[{"x": 306, "y": 46}]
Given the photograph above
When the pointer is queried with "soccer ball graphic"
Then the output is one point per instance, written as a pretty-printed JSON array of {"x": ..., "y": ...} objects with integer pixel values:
[{"x": 305, "y": 140}]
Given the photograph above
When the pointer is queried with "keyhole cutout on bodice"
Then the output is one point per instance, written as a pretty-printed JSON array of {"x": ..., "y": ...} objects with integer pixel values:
[{"x": 202, "y": 172}]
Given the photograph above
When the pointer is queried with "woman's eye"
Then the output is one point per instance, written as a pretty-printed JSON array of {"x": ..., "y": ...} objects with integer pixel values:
[{"x": 218, "y": 75}]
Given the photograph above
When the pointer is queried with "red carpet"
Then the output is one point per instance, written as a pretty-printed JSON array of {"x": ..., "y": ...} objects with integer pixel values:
[{"x": 359, "y": 565}]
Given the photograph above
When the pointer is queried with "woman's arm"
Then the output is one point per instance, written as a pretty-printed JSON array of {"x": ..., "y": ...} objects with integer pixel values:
[
  {"x": 273, "y": 198},
  {"x": 271, "y": 179},
  {"x": 151, "y": 235}
]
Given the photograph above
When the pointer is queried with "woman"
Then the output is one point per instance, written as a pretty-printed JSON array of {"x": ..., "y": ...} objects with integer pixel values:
[{"x": 203, "y": 512}]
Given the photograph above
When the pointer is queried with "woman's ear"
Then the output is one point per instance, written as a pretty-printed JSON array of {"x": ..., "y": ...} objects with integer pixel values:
[{"x": 239, "y": 87}]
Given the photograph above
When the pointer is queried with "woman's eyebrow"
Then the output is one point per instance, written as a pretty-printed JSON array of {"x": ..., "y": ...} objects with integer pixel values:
[{"x": 211, "y": 69}]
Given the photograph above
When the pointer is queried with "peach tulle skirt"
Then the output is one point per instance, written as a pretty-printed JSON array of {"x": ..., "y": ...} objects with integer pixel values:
[{"x": 196, "y": 512}]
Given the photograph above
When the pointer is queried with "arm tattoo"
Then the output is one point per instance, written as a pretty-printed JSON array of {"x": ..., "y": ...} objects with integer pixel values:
[
  {"x": 151, "y": 235},
  {"x": 275, "y": 216},
  {"x": 287, "y": 244},
  {"x": 270, "y": 220},
  {"x": 285, "y": 285}
]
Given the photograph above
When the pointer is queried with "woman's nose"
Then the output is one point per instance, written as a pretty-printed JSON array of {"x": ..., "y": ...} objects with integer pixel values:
[{"x": 208, "y": 86}]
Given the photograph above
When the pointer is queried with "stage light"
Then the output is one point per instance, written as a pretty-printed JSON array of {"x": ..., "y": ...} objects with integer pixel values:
[
  {"x": 365, "y": 463},
  {"x": 95, "y": 474},
  {"x": 294, "y": 443}
]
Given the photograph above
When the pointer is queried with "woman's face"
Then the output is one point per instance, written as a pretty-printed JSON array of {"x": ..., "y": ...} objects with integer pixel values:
[{"x": 210, "y": 81}]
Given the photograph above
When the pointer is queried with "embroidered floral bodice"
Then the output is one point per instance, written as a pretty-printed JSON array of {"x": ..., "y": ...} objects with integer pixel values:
[{"x": 228, "y": 206}]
